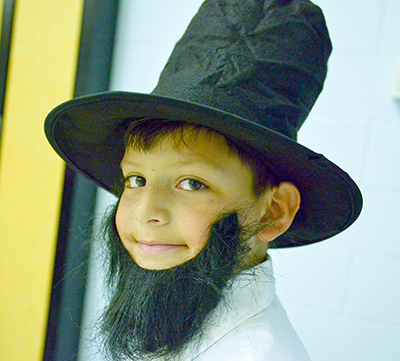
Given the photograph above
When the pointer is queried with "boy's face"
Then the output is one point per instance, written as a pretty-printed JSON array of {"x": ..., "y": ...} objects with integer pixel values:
[{"x": 175, "y": 191}]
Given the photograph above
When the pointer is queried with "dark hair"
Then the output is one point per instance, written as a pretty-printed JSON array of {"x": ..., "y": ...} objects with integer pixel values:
[{"x": 144, "y": 133}]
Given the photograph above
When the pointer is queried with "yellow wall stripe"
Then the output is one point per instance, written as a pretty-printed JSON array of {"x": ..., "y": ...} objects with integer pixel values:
[
  {"x": 41, "y": 74},
  {"x": 1, "y": 13}
]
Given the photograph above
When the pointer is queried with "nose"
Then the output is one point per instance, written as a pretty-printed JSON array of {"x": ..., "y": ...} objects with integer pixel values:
[{"x": 152, "y": 206}]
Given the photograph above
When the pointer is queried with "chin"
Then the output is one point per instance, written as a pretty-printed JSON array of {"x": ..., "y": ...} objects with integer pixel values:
[{"x": 158, "y": 265}]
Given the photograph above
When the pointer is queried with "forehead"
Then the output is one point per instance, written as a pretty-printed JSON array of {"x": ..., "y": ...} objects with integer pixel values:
[
  {"x": 144, "y": 135},
  {"x": 185, "y": 147},
  {"x": 194, "y": 141}
]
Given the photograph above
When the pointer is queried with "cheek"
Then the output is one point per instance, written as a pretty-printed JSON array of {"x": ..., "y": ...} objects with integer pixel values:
[
  {"x": 195, "y": 225},
  {"x": 120, "y": 221},
  {"x": 123, "y": 229}
]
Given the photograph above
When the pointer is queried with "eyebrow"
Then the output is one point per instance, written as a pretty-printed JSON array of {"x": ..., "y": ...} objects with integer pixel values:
[{"x": 183, "y": 163}]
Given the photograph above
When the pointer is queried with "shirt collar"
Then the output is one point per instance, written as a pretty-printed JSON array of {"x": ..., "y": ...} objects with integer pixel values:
[{"x": 252, "y": 291}]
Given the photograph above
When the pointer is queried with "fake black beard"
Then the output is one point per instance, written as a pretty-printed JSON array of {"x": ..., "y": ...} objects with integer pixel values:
[{"x": 155, "y": 313}]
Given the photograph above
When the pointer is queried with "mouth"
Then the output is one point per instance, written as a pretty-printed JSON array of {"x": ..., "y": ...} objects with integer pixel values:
[{"x": 154, "y": 247}]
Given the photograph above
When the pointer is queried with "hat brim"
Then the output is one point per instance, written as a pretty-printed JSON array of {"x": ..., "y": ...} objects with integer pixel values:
[{"x": 88, "y": 132}]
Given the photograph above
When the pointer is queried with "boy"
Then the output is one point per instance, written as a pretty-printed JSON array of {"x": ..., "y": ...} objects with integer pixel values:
[{"x": 212, "y": 177}]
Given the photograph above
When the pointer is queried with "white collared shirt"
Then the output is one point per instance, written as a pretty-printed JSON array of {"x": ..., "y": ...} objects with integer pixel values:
[{"x": 251, "y": 326}]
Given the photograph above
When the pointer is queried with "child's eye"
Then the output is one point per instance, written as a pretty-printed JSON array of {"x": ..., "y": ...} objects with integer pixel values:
[
  {"x": 191, "y": 185},
  {"x": 135, "y": 181}
]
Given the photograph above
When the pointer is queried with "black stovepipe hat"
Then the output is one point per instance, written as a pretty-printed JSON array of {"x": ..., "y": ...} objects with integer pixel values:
[{"x": 249, "y": 69}]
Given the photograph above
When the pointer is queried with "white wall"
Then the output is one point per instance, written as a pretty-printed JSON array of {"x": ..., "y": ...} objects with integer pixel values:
[{"x": 342, "y": 295}]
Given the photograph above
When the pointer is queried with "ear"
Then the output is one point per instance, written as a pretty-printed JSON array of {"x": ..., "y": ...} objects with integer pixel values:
[{"x": 284, "y": 202}]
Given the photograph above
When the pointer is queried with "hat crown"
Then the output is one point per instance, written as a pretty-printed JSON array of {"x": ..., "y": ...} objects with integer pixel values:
[{"x": 265, "y": 61}]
